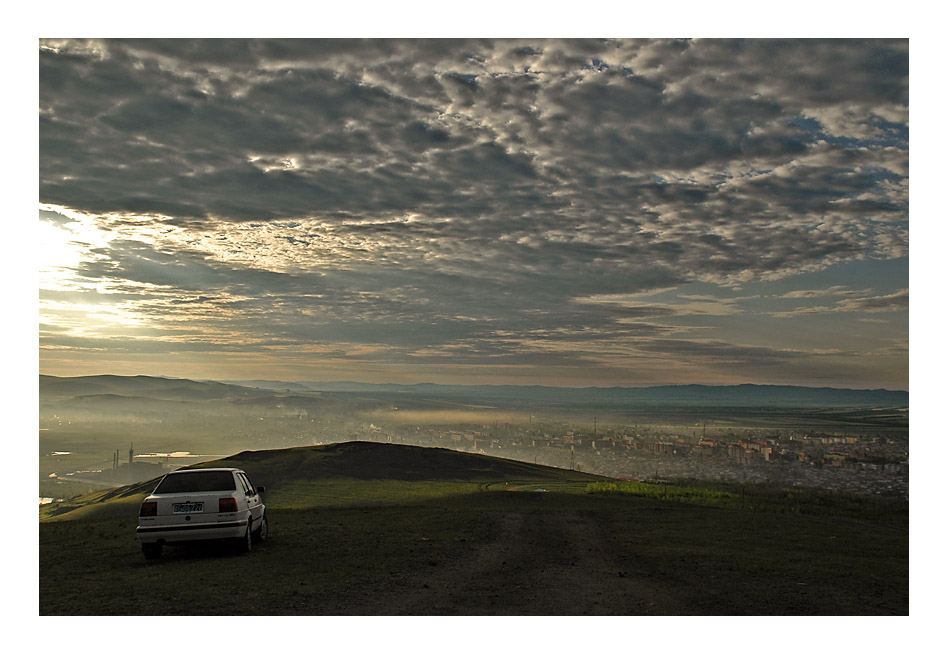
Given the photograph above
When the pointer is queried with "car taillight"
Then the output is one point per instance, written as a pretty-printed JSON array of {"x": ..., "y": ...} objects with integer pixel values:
[
  {"x": 149, "y": 508},
  {"x": 227, "y": 505}
]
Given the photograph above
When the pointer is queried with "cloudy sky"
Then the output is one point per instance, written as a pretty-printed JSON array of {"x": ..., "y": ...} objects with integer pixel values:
[{"x": 579, "y": 212}]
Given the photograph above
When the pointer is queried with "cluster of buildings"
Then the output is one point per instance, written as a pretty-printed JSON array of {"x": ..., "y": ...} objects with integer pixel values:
[{"x": 856, "y": 463}]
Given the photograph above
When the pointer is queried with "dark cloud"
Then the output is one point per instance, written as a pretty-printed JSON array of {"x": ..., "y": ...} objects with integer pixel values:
[
  {"x": 895, "y": 302},
  {"x": 719, "y": 352},
  {"x": 380, "y": 190}
]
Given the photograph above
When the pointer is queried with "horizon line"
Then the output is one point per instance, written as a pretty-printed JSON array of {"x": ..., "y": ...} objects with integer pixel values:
[{"x": 629, "y": 386}]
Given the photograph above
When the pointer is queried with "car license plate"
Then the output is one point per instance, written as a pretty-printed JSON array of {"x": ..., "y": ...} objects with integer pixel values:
[{"x": 187, "y": 508}]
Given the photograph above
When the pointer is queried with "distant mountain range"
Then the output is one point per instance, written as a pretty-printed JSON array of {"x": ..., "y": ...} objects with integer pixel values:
[
  {"x": 141, "y": 386},
  {"x": 689, "y": 394},
  {"x": 744, "y": 395}
]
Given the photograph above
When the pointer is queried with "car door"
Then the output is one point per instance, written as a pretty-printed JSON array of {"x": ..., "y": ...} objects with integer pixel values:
[{"x": 254, "y": 504}]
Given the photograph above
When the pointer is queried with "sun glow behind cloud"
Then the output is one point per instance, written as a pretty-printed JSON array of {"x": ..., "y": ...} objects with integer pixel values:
[{"x": 63, "y": 247}]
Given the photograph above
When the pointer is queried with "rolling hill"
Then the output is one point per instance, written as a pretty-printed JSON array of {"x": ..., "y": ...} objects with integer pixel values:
[
  {"x": 351, "y": 471},
  {"x": 163, "y": 388}
]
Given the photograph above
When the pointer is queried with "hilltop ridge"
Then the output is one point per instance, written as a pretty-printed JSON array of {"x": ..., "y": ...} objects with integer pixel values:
[{"x": 367, "y": 460}]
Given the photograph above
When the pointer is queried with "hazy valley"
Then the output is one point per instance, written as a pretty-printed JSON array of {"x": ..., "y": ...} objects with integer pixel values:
[{"x": 854, "y": 441}]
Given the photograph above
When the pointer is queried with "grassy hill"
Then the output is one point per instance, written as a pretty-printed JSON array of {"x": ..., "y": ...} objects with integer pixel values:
[
  {"x": 363, "y": 528},
  {"x": 356, "y": 472}
]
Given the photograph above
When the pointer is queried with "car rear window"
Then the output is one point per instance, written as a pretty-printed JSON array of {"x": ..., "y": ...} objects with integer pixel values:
[{"x": 185, "y": 481}]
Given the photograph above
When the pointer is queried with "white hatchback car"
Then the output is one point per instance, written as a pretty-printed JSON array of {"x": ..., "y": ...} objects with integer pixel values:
[{"x": 202, "y": 504}]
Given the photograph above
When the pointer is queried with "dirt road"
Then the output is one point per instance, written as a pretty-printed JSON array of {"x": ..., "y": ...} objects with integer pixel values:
[{"x": 539, "y": 563}]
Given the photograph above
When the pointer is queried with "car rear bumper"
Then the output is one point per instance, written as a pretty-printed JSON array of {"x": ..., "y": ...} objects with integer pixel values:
[{"x": 230, "y": 529}]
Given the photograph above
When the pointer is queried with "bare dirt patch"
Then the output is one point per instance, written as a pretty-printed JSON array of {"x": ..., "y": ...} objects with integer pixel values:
[{"x": 539, "y": 562}]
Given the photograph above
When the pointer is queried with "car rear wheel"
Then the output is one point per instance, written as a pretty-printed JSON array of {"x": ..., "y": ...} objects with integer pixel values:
[
  {"x": 261, "y": 533},
  {"x": 152, "y": 550}
]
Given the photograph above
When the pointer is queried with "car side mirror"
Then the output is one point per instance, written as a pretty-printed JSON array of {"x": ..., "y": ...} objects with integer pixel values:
[{"x": 261, "y": 489}]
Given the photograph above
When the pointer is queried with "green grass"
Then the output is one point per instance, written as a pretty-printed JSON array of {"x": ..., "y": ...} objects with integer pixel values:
[
  {"x": 765, "y": 498},
  {"x": 97, "y": 568},
  {"x": 326, "y": 560},
  {"x": 667, "y": 493},
  {"x": 350, "y": 492}
]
